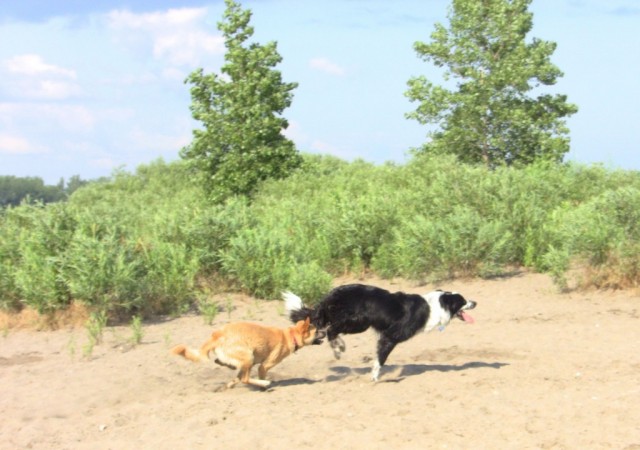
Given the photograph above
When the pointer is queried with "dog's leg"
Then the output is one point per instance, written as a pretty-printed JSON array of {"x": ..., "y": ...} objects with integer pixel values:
[
  {"x": 228, "y": 359},
  {"x": 336, "y": 347},
  {"x": 262, "y": 371},
  {"x": 262, "y": 383},
  {"x": 243, "y": 375},
  {"x": 336, "y": 342},
  {"x": 263, "y": 368},
  {"x": 223, "y": 364},
  {"x": 385, "y": 346},
  {"x": 259, "y": 383}
]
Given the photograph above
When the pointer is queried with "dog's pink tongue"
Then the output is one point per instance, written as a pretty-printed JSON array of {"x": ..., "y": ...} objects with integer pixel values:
[{"x": 466, "y": 317}]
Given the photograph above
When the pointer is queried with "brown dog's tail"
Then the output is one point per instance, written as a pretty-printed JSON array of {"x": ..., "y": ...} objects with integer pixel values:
[
  {"x": 189, "y": 353},
  {"x": 197, "y": 355}
]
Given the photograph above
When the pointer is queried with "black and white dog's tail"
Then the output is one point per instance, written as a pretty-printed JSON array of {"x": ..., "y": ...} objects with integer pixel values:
[{"x": 296, "y": 309}]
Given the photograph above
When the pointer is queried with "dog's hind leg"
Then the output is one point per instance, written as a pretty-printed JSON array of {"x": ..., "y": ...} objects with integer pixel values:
[{"x": 385, "y": 346}]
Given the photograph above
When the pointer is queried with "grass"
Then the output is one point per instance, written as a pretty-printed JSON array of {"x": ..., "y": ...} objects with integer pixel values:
[
  {"x": 95, "y": 331},
  {"x": 137, "y": 333}
]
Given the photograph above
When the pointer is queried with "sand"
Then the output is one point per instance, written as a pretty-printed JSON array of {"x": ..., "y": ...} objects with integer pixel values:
[{"x": 538, "y": 369}]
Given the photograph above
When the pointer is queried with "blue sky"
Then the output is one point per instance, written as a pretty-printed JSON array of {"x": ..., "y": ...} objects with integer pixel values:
[{"x": 90, "y": 86}]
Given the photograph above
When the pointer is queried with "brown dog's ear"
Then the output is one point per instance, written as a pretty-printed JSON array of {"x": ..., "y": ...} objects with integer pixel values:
[{"x": 303, "y": 325}]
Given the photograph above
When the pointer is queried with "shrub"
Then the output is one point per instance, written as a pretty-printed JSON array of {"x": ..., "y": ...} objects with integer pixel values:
[
  {"x": 604, "y": 233},
  {"x": 310, "y": 282}
]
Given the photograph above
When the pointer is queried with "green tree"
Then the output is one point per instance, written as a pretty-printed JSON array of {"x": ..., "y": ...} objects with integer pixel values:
[
  {"x": 74, "y": 183},
  {"x": 241, "y": 143},
  {"x": 491, "y": 116},
  {"x": 13, "y": 190}
]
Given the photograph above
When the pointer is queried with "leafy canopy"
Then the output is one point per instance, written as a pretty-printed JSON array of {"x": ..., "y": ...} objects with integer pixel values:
[
  {"x": 491, "y": 116},
  {"x": 241, "y": 143}
]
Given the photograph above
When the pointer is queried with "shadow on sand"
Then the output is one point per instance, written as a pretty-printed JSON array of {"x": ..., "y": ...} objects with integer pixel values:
[{"x": 408, "y": 370}]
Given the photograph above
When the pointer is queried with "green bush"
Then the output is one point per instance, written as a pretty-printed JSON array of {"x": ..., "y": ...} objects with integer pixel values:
[
  {"x": 42, "y": 234},
  {"x": 145, "y": 243},
  {"x": 603, "y": 232},
  {"x": 460, "y": 243},
  {"x": 260, "y": 261},
  {"x": 310, "y": 282},
  {"x": 105, "y": 272}
]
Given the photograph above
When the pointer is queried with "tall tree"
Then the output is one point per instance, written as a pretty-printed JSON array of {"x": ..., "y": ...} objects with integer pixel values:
[
  {"x": 491, "y": 116},
  {"x": 241, "y": 143}
]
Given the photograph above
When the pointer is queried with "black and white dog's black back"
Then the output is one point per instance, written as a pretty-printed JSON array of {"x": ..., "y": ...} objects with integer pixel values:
[{"x": 396, "y": 316}]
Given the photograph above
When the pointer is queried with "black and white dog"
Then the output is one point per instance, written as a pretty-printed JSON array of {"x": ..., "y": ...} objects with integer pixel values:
[{"x": 397, "y": 316}]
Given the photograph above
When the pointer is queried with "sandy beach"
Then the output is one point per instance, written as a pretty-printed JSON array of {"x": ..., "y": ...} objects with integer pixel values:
[{"x": 538, "y": 370}]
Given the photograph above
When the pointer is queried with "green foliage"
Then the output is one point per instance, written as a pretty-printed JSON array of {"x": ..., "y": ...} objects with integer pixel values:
[
  {"x": 15, "y": 190},
  {"x": 260, "y": 260},
  {"x": 151, "y": 243},
  {"x": 310, "y": 282},
  {"x": 557, "y": 262},
  {"x": 42, "y": 235},
  {"x": 209, "y": 310},
  {"x": 9, "y": 251},
  {"x": 95, "y": 330},
  {"x": 123, "y": 247},
  {"x": 460, "y": 243},
  {"x": 604, "y": 232},
  {"x": 137, "y": 333},
  {"x": 241, "y": 143},
  {"x": 491, "y": 116}
]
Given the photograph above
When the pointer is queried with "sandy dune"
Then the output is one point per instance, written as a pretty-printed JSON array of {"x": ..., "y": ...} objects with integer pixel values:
[{"x": 538, "y": 369}]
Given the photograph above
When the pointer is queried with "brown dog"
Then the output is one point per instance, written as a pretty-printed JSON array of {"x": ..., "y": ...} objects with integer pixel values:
[{"x": 241, "y": 345}]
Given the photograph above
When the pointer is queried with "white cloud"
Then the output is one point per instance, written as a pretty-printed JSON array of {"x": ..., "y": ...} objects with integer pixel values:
[
  {"x": 186, "y": 48},
  {"x": 159, "y": 143},
  {"x": 176, "y": 36},
  {"x": 34, "y": 65},
  {"x": 32, "y": 116},
  {"x": 170, "y": 18},
  {"x": 103, "y": 163},
  {"x": 29, "y": 76},
  {"x": 327, "y": 66},
  {"x": 17, "y": 145},
  {"x": 46, "y": 89}
]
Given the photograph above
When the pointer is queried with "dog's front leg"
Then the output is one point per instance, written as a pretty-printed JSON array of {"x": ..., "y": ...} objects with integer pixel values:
[
  {"x": 338, "y": 346},
  {"x": 260, "y": 383},
  {"x": 246, "y": 379},
  {"x": 262, "y": 370}
]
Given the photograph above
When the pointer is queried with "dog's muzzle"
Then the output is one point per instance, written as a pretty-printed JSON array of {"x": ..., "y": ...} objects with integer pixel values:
[
  {"x": 462, "y": 314},
  {"x": 470, "y": 304},
  {"x": 320, "y": 335}
]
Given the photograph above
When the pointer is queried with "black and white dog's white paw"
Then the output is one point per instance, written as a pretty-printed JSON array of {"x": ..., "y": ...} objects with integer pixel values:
[{"x": 338, "y": 346}]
